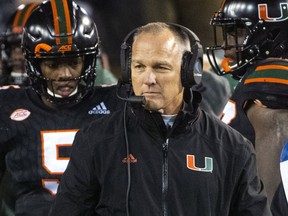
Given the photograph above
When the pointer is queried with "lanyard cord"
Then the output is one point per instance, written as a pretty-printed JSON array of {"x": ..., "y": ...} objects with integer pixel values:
[{"x": 128, "y": 161}]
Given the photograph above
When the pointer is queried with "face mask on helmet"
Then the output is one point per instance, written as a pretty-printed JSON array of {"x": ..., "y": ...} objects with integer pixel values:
[
  {"x": 248, "y": 31},
  {"x": 56, "y": 30}
]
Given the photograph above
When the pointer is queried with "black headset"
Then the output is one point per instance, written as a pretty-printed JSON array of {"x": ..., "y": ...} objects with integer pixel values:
[{"x": 192, "y": 61}]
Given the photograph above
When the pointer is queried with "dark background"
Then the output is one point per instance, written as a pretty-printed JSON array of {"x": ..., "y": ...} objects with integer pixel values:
[{"x": 116, "y": 18}]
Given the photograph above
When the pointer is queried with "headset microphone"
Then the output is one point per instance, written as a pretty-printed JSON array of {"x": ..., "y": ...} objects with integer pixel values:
[
  {"x": 136, "y": 99},
  {"x": 131, "y": 98}
]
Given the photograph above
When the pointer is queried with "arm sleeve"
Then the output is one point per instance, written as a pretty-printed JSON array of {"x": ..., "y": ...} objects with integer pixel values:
[
  {"x": 78, "y": 189},
  {"x": 250, "y": 196}
]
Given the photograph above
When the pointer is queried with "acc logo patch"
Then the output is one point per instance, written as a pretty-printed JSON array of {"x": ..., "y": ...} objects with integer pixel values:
[
  {"x": 65, "y": 48},
  {"x": 20, "y": 115}
]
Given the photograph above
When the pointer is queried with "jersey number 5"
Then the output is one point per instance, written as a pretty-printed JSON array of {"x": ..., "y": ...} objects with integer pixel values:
[{"x": 52, "y": 162}]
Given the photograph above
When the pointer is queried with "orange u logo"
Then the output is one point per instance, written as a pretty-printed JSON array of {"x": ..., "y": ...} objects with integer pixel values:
[
  {"x": 192, "y": 165},
  {"x": 263, "y": 13}
]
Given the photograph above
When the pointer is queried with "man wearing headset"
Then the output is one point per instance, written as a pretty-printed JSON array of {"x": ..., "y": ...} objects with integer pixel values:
[
  {"x": 163, "y": 156},
  {"x": 38, "y": 123}
]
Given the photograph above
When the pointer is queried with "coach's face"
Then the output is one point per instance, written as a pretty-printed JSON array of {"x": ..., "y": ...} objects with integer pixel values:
[{"x": 155, "y": 71}]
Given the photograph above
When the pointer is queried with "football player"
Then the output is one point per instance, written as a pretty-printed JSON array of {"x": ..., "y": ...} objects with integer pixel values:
[
  {"x": 38, "y": 123},
  {"x": 15, "y": 73},
  {"x": 255, "y": 40}
]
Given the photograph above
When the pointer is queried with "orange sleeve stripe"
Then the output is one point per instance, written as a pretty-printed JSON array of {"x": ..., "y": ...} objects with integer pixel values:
[
  {"x": 265, "y": 67},
  {"x": 268, "y": 80}
]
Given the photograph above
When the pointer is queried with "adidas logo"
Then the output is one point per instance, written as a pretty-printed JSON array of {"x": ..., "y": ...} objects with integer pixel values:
[
  {"x": 130, "y": 159},
  {"x": 100, "y": 109}
]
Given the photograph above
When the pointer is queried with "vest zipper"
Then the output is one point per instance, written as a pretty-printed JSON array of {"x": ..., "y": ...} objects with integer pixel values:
[{"x": 165, "y": 178}]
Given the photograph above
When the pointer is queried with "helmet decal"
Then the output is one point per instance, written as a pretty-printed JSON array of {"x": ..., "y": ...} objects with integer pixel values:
[
  {"x": 263, "y": 13},
  {"x": 62, "y": 21},
  {"x": 65, "y": 48},
  {"x": 42, "y": 46},
  {"x": 21, "y": 17}
]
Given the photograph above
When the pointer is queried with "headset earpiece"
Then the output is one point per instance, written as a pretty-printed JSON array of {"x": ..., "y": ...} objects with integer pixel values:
[
  {"x": 191, "y": 70},
  {"x": 192, "y": 61},
  {"x": 186, "y": 70}
]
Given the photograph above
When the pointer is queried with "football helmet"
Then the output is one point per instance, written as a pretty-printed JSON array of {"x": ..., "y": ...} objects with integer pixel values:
[
  {"x": 266, "y": 35},
  {"x": 11, "y": 53},
  {"x": 60, "y": 29},
  {"x": 14, "y": 28}
]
